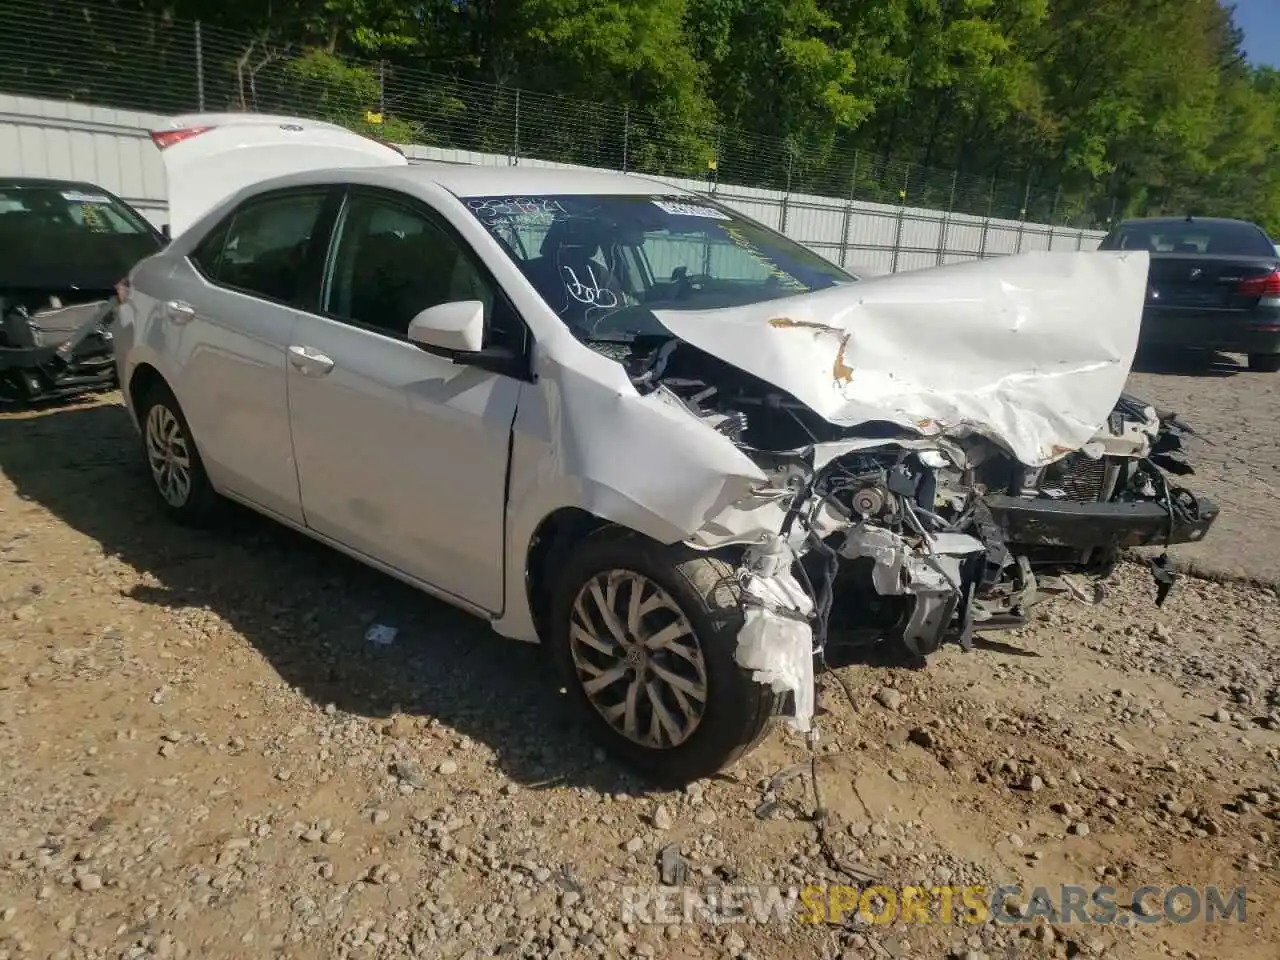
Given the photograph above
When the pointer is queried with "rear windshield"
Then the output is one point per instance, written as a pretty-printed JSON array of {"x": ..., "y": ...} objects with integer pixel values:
[
  {"x": 66, "y": 209},
  {"x": 1231, "y": 239}
]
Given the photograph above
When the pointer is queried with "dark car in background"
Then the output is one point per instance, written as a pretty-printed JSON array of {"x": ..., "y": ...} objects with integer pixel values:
[
  {"x": 64, "y": 245},
  {"x": 1213, "y": 284}
]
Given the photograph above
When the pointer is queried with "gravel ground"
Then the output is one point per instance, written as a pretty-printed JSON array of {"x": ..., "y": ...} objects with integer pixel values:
[
  {"x": 1238, "y": 413},
  {"x": 204, "y": 757}
]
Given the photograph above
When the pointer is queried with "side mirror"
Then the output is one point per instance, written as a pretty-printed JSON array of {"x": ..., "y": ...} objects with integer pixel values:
[
  {"x": 166, "y": 232},
  {"x": 457, "y": 326}
]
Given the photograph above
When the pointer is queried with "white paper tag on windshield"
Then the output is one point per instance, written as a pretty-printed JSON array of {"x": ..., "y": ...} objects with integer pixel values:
[
  {"x": 683, "y": 209},
  {"x": 75, "y": 196}
]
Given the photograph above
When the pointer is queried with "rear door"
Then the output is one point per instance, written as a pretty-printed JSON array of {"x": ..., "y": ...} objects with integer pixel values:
[{"x": 230, "y": 310}]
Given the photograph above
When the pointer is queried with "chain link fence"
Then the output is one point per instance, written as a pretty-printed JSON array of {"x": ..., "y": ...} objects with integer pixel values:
[{"x": 105, "y": 56}]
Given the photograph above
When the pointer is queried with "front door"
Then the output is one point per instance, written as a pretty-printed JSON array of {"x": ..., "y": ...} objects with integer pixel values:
[{"x": 402, "y": 455}]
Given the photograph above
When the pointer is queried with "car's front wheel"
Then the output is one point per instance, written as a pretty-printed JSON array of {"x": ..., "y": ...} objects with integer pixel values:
[
  {"x": 173, "y": 462},
  {"x": 1265, "y": 362},
  {"x": 644, "y": 637}
]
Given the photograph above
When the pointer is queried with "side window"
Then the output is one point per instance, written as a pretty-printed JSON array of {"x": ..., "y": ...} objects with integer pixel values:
[
  {"x": 208, "y": 255},
  {"x": 391, "y": 262},
  {"x": 262, "y": 248}
]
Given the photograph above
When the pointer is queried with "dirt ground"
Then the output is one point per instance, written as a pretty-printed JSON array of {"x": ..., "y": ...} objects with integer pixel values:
[
  {"x": 203, "y": 756},
  {"x": 1239, "y": 467}
]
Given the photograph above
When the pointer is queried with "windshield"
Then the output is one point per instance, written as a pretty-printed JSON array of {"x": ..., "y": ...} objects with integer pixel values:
[
  {"x": 60, "y": 236},
  {"x": 66, "y": 208},
  {"x": 1223, "y": 237},
  {"x": 605, "y": 263}
]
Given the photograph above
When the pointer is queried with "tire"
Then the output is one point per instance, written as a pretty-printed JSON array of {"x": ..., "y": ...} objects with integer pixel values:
[
  {"x": 169, "y": 450},
  {"x": 697, "y": 598},
  {"x": 1264, "y": 362}
]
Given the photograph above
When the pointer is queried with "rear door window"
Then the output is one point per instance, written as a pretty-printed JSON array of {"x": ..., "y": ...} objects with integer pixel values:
[{"x": 263, "y": 247}]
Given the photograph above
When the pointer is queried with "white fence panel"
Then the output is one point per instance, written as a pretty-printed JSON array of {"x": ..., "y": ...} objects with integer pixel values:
[{"x": 112, "y": 148}]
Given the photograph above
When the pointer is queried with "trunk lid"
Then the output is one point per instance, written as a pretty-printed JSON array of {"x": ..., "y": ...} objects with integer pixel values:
[
  {"x": 208, "y": 157},
  {"x": 1206, "y": 281}
]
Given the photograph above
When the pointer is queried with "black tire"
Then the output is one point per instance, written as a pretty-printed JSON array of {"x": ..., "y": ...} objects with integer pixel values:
[
  {"x": 200, "y": 503},
  {"x": 1264, "y": 362},
  {"x": 737, "y": 710}
]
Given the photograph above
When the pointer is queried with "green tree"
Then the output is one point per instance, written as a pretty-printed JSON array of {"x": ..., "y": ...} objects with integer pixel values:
[
  {"x": 1042, "y": 108},
  {"x": 781, "y": 68}
]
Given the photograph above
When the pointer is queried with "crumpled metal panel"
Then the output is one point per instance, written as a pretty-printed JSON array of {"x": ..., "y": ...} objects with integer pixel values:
[{"x": 1030, "y": 351}]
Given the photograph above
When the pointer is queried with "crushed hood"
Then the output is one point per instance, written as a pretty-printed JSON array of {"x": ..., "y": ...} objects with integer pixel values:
[{"x": 1030, "y": 351}]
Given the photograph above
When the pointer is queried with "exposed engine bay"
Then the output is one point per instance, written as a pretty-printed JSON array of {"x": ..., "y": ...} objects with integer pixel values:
[
  {"x": 64, "y": 247},
  {"x": 54, "y": 344},
  {"x": 920, "y": 541}
]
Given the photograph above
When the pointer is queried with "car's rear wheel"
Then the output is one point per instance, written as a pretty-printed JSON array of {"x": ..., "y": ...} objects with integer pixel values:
[
  {"x": 1265, "y": 362},
  {"x": 173, "y": 462},
  {"x": 644, "y": 637}
]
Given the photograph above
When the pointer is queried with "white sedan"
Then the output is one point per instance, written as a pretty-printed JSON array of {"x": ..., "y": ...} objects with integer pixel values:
[{"x": 625, "y": 420}]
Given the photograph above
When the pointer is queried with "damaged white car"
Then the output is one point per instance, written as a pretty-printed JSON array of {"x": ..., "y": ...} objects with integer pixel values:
[{"x": 683, "y": 451}]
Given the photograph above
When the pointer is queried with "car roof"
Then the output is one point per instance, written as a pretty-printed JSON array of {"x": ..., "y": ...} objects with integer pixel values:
[
  {"x": 51, "y": 183},
  {"x": 477, "y": 181},
  {"x": 1158, "y": 221},
  {"x": 464, "y": 180}
]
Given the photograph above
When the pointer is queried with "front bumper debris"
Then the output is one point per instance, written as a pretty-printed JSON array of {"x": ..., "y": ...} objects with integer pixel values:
[
  {"x": 874, "y": 548},
  {"x": 776, "y": 639},
  {"x": 39, "y": 369},
  {"x": 937, "y": 578},
  {"x": 1043, "y": 522}
]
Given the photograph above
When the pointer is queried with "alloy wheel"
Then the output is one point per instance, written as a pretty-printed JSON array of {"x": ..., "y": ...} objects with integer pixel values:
[
  {"x": 638, "y": 659},
  {"x": 168, "y": 455}
]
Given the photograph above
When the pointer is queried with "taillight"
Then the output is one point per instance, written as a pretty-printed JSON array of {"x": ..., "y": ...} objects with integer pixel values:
[
  {"x": 167, "y": 138},
  {"x": 1265, "y": 286}
]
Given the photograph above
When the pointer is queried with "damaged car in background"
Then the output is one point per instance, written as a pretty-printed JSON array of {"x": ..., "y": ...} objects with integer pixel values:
[
  {"x": 685, "y": 452},
  {"x": 63, "y": 247}
]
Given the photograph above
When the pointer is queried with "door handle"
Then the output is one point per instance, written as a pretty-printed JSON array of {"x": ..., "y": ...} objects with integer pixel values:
[
  {"x": 310, "y": 361},
  {"x": 179, "y": 311}
]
